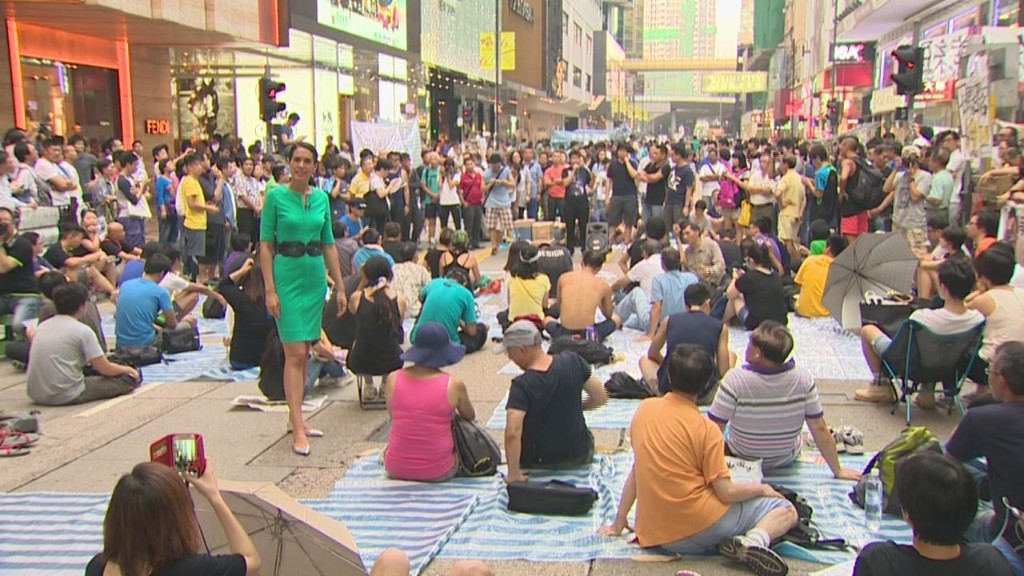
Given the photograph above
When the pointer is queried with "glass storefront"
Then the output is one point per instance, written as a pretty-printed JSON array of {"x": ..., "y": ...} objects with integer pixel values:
[{"x": 65, "y": 98}]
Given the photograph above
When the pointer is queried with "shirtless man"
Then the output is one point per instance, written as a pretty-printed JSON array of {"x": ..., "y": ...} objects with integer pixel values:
[{"x": 589, "y": 293}]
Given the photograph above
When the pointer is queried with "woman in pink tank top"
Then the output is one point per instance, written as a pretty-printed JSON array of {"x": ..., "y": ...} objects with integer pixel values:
[{"x": 422, "y": 400}]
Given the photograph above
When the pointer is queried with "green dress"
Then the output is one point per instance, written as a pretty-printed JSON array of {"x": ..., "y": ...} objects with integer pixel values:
[{"x": 301, "y": 282}]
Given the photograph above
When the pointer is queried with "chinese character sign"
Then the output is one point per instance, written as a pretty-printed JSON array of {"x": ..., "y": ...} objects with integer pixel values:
[
  {"x": 734, "y": 82},
  {"x": 508, "y": 50},
  {"x": 942, "y": 56},
  {"x": 973, "y": 101}
]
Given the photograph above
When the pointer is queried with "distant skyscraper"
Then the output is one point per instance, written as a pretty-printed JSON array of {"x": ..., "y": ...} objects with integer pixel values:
[{"x": 687, "y": 30}]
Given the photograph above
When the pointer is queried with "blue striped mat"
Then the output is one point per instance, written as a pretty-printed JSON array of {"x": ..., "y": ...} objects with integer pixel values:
[
  {"x": 616, "y": 414},
  {"x": 50, "y": 534},
  {"x": 820, "y": 346}
]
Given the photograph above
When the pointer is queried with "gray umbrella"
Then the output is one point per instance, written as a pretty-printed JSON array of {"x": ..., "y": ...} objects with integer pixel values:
[
  {"x": 874, "y": 262},
  {"x": 290, "y": 538}
]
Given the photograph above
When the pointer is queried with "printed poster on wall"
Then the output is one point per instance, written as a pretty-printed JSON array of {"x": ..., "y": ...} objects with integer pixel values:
[{"x": 975, "y": 107}]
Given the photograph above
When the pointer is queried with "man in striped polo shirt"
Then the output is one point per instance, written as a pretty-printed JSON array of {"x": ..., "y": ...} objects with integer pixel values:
[{"x": 766, "y": 402}]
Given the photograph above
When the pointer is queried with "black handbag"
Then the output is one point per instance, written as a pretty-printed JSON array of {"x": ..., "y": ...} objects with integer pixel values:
[
  {"x": 552, "y": 498},
  {"x": 178, "y": 341},
  {"x": 477, "y": 452}
]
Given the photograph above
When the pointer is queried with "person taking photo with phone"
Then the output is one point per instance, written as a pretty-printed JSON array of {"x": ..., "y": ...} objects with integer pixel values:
[{"x": 151, "y": 528}]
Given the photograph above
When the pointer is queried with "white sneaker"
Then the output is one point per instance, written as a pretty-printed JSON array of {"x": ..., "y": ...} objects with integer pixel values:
[{"x": 760, "y": 561}]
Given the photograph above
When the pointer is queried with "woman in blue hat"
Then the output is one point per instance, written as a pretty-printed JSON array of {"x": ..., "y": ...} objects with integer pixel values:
[{"x": 422, "y": 400}]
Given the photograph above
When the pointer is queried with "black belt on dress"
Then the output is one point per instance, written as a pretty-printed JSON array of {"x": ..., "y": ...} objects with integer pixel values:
[{"x": 299, "y": 249}]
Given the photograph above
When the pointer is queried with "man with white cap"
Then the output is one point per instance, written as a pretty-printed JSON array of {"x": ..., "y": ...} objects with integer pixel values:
[{"x": 544, "y": 425}]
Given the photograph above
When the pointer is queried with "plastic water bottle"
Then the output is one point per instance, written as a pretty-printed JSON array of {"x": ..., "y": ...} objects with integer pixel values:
[{"x": 873, "y": 502}]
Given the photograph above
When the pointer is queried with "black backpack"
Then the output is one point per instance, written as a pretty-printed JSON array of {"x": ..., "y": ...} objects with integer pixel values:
[
  {"x": 213, "y": 309},
  {"x": 622, "y": 385},
  {"x": 592, "y": 352},
  {"x": 867, "y": 189},
  {"x": 804, "y": 534},
  {"x": 457, "y": 272}
]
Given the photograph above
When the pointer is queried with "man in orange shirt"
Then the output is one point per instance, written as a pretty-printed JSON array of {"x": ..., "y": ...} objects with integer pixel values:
[
  {"x": 983, "y": 230},
  {"x": 686, "y": 501},
  {"x": 556, "y": 177}
]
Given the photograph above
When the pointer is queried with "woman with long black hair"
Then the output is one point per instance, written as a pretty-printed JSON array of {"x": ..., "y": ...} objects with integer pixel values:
[
  {"x": 151, "y": 530},
  {"x": 377, "y": 350}
]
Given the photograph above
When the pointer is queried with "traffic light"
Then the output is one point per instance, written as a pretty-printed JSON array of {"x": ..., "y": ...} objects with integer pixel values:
[
  {"x": 835, "y": 111},
  {"x": 467, "y": 112},
  {"x": 910, "y": 72},
  {"x": 269, "y": 106}
]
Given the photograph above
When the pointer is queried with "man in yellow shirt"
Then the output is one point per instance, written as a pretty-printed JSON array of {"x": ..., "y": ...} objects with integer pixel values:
[
  {"x": 361, "y": 181},
  {"x": 812, "y": 277},
  {"x": 792, "y": 200},
  {"x": 194, "y": 230},
  {"x": 686, "y": 501}
]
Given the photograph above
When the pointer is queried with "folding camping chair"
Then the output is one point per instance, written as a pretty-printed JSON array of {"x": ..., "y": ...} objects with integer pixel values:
[{"x": 919, "y": 356}]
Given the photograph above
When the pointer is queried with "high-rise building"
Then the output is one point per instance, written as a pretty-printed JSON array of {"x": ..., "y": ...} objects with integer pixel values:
[{"x": 686, "y": 30}]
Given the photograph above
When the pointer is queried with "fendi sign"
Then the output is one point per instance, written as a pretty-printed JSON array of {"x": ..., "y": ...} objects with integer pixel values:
[{"x": 521, "y": 8}]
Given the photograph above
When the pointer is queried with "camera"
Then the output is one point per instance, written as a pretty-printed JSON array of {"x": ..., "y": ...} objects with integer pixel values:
[
  {"x": 4, "y": 230},
  {"x": 182, "y": 452}
]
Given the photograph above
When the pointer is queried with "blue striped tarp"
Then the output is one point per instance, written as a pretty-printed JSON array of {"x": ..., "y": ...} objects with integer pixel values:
[
  {"x": 616, "y": 414},
  {"x": 50, "y": 534},
  {"x": 821, "y": 346}
]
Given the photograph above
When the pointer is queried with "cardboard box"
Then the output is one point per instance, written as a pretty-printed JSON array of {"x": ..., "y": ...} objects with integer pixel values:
[
  {"x": 993, "y": 187},
  {"x": 543, "y": 231},
  {"x": 523, "y": 229}
]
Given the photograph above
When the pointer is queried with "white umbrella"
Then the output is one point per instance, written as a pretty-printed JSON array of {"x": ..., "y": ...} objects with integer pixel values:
[
  {"x": 877, "y": 263},
  {"x": 290, "y": 538}
]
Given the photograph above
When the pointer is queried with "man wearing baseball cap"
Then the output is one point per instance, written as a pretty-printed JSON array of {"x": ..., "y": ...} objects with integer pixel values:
[
  {"x": 353, "y": 221},
  {"x": 544, "y": 425}
]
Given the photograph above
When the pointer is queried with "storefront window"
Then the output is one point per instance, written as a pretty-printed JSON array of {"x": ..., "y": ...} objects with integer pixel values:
[
  {"x": 1006, "y": 12},
  {"x": 68, "y": 99}
]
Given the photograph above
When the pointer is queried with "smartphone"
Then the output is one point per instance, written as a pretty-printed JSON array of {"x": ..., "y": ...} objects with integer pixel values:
[{"x": 182, "y": 452}]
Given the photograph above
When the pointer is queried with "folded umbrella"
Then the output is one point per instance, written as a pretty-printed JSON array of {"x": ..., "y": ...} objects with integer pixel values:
[
  {"x": 290, "y": 538},
  {"x": 877, "y": 263}
]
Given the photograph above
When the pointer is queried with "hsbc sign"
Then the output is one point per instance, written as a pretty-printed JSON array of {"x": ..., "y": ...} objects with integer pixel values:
[{"x": 856, "y": 53}]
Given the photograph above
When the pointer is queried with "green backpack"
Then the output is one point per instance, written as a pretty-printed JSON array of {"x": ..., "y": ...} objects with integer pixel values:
[{"x": 911, "y": 441}]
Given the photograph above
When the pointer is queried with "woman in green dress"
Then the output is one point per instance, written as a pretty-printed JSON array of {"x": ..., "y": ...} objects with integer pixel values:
[{"x": 296, "y": 249}]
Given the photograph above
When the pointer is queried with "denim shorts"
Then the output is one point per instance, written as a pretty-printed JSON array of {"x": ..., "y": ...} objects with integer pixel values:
[{"x": 739, "y": 519}]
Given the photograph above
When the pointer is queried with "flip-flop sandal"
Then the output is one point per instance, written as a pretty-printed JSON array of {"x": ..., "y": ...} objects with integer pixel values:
[
  {"x": 13, "y": 438},
  {"x": 12, "y": 451}
]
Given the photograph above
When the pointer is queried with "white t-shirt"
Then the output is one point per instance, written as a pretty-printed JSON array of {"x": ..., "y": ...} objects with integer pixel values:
[
  {"x": 47, "y": 170},
  {"x": 942, "y": 321},
  {"x": 759, "y": 179},
  {"x": 645, "y": 271},
  {"x": 709, "y": 188},
  {"x": 450, "y": 194},
  {"x": 956, "y": 166}
]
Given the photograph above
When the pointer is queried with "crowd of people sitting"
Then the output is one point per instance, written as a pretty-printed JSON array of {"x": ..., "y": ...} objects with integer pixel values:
[{"x": 751, "y": 244}]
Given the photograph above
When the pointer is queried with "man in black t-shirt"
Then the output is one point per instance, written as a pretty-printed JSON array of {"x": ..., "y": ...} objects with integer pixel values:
[
  {"x": 995, "y": 433},
  {"x": 19, "y": 294},
  {"x": 656, "y": 175},
  {"x": 939, "y": 499},
  {"x": 621, "y": 197},
  {"x": 553, "y": 261},
  {"x": 576, "y": 206},
  {"x": 544, "y": 426},
  {"x": 680, "y": 185}
]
